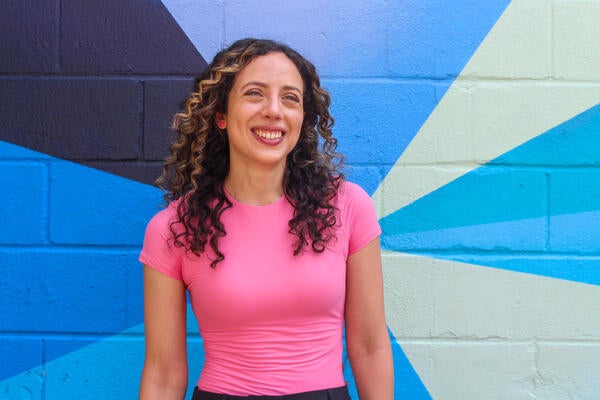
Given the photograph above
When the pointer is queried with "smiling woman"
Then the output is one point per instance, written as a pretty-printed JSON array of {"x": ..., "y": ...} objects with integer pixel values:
[
  {"x": 264, "y": 117},
  {"x": 277, "y": 251}
]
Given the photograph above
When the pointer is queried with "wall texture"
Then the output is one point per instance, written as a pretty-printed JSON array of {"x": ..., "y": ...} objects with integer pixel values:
[{"x": 474, "y": 125}]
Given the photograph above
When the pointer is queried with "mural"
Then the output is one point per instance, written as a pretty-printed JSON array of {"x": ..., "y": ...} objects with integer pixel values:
[{"x": 474, "y": 125}]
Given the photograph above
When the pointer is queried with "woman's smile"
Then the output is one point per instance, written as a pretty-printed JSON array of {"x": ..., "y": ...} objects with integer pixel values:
[{"x": 269, "y": 134}]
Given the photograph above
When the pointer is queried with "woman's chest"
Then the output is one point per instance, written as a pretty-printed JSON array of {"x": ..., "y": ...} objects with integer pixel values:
[{"x": 261, "y": 281}]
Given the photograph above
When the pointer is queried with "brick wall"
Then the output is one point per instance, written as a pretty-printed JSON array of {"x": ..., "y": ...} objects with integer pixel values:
[{"x": 474, "y": 125}]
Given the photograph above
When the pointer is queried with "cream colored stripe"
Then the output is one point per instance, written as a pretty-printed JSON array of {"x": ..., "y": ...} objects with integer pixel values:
[
  {"x": 475, "y": 332},
  {"x": 505, "y": 96}
]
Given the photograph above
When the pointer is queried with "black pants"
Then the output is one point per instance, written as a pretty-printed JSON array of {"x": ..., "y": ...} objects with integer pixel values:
[{"x": 340, "y": 393}]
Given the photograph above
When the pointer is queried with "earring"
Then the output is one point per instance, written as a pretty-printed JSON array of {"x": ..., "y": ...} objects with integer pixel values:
[{"x": 221, "y": 124}]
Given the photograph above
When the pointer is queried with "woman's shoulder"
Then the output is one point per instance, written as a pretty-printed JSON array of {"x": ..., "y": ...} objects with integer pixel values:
[
  {"x": 358, "y": 217},
  {"x": 351, "y": 199},
  {"x": 350, "y": 191},
  {"x": 162, "y": 220}
]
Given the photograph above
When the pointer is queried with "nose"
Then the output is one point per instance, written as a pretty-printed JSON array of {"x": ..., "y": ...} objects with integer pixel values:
[{"x": 272, "y": 108}]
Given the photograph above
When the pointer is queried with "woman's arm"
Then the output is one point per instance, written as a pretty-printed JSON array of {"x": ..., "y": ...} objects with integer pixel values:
[
  {"x": 367, "y": 338},
  {"x": 165, "y": 373}
]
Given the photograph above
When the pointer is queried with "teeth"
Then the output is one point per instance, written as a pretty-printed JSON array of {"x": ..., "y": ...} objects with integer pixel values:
[{"x": 268, "y": 134}]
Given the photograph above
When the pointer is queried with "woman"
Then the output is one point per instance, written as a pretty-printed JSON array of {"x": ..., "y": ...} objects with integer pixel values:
[{"x": 277, "y": 251}]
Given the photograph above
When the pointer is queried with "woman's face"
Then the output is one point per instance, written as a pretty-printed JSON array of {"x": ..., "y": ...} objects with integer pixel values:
[{"x": 264, "y": 112}]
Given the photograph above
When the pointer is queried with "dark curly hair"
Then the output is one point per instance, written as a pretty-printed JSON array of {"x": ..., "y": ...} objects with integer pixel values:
[{"x": 195, "y": 171}]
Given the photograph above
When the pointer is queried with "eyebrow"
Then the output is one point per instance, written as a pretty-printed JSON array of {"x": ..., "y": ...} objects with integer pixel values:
[{"x": 264, "y": 85}]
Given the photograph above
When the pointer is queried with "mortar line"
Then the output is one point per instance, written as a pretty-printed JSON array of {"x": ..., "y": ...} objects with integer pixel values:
[
  {"x": 141, "y": 122},
  {"x": 59, "y": 37},
  {"x": 548, "y": 211}
]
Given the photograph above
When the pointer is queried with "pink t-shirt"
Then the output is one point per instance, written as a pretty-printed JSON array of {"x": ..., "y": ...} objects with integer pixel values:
[{"x": 271, "y": 322}]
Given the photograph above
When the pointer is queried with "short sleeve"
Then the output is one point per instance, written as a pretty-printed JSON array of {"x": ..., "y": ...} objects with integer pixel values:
[
  {"x": 158, "y": 251},
  {"x": 361, "y": 217}
]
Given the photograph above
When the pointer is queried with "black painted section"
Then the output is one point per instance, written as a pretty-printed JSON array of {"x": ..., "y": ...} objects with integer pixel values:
[
  {"x": 142, "y": 171},
  {"x": 29, "y": 36},
  {"x": 162, "y": 99},
  {"x": 94, "y": 81},
  {"x": 124, "y": 36},
  {"x": 76, "y": 119}
]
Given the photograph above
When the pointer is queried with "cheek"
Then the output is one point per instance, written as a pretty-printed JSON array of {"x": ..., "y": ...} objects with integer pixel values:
[{"x": 299, "y": 119}]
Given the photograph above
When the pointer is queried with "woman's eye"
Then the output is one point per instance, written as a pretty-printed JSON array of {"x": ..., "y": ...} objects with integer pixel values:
[
  {"x": 253, "y": 92},
  {"x": 292, "y": 97}
]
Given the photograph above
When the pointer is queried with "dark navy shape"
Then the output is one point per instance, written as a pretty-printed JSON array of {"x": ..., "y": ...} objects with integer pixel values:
[
  {"x": 29, "y": 36},
  {"x": 96, "y": 82},
  {"x": 124, "y": 36}
]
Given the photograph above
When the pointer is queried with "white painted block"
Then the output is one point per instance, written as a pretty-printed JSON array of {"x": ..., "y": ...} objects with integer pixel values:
[
  {"x": 474, "y": 370},
  {"x": 576, "y": 47},
  {"x": 518, "y": 46},
  {"x": 506, "y": 115},
  {"x": 568, "y": 371},
  {"x": 430, "y": 298}
]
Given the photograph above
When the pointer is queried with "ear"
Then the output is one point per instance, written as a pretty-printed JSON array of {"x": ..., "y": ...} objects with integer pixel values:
[{"x": 220, "y": 120}]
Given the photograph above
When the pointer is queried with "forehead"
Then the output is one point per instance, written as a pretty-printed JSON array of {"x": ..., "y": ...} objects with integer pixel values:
[{"x": 272, "y": 69}]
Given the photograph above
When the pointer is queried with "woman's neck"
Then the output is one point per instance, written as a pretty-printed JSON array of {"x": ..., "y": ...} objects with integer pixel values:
[{"x": 253, "y": 186}]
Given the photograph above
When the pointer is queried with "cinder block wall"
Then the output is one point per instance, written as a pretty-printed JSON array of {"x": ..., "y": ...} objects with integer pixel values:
[{"x": 474, "y": 125}]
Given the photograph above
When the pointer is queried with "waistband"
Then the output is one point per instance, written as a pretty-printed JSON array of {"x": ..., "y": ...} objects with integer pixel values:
[{"x": 340, "y": 393}]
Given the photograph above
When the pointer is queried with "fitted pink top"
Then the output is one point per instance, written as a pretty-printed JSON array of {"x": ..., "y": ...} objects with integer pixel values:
[{"x": 271, "y": 322}]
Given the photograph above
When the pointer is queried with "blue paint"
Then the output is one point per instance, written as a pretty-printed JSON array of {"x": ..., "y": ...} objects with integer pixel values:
[
  {"x": 485, "y": 195},
  {"x": 436, "y": 38},
  {"x": 23, "y": 202},
  {"x": 84, "y": 281},
  {"x": 514, "y": 236},
  {"x": 65, "y": 291},
  {"x": 24, "y": 386},
  {"x": 368, "y": 177},
  {"x": 503, "y": 207},
  {"x": 574, "y": 268},
  {"x": 407, "y": 384},
  {"x": 90, "y": 282},
  {"x": 573, "y": 143},
  {"x": 520, "y": 246},
  {"x": 576, "y": 233},
  {"x": 375, "y": 120},
  {"x": 106, "y": 369},
  {"x": 325, "y": 32},
  {"x": 504, "y": 190},
  {"x": 9, "y": 151},
  {"x": 117, "y": 359},
  {"x": 24, "y": 179},
  {"x": 52, "y": 290},
  {"x": 102, "y": 370},
  {"x": 575, "y": 191},
  {"x": 23, "y": 352},
  {"x": 88, "y": 206}
]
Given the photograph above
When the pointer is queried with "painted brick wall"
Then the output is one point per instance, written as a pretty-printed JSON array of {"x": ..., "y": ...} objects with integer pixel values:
[
  {"x": 94, "y": 83},
  {"x": 474, "y": 125}
]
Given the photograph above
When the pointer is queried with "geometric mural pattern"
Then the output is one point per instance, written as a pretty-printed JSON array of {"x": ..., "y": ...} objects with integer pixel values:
[{"x": 474, "y": 125}]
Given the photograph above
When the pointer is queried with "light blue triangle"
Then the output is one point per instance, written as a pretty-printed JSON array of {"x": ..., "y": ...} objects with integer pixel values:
[
  {"x": 509, "y": 214},
  {"x": 491, "y": 193}
]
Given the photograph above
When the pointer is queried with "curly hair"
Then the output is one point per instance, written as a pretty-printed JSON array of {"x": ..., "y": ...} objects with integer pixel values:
[{"x": 195, "y": 171}]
